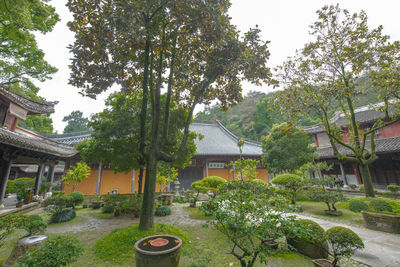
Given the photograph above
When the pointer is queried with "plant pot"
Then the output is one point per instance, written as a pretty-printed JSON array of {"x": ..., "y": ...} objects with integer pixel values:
[
  {"x": 382, "y": 221},
  {"x": 333, "y": 212},
  {"x": 19, "y": 204},
  {"x": 314, "y": 251},
  {"x": 158, "y": 250},
  {"x": 272, "y": 244},
  {"x": 323, "y": 263}
]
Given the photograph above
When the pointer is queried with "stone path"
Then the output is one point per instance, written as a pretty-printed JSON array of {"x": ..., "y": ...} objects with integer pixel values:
[
  {"x": 179, "y": 217},
  {"x": 381, "y": 249}
]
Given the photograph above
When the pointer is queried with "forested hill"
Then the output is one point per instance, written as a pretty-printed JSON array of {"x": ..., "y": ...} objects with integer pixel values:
[{"x": 255, "y": 115}]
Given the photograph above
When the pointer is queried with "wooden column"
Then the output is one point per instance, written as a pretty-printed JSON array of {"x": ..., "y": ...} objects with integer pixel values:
[
  {"x": 343, "y": 173},
  {"x": 6, "y": 168},
  {"x": 50, "y": 175},
  {"x": 98, "y": 179},
  {"x": 133, "y": 181},
  {"x": 206, "y": 168},
  {"x": 38, "y": 180}
]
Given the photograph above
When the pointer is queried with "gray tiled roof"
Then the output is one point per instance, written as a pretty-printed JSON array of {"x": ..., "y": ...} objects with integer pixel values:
[
  {"x": 387, "y": 145},
  {"x": 217, "y": 140},
  {"x": 363, "y": 114},
  {"x": 45, "y": 146},
  {"x": 32, "y": 106}
]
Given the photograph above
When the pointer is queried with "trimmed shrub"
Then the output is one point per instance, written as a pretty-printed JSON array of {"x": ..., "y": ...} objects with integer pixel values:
[
  {"x": 210, "y": 183},
  {"x": 77, "y": 198},
  {"x": 55, "y": 251},
  {"x": 180, "y": 199},
  {"x": 64, "y": 216},
  {"x": 34, "y": 224},
  {"x": 287, "y": 180},
  {"x": 357, "y": 205},
  {"x": 116, "y": 247},
  {"x": 380, "y": 205},
  {"x": 57, "y": 205},
  {"x": 163, "y": 211},
  {"x": 393, "y": 188},
  {"x": 343, "y": 241},
  {"x": 108, "y": 208}
]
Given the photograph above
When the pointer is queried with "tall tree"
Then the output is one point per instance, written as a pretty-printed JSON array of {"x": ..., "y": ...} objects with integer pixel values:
[
  {"x": 21, "y": 61},
  {"x": 188, "y": 48},
  {"x": 328, "y": 72},
  {"x": 286, "y": 148},
  {"x": 75, "y": 122}
]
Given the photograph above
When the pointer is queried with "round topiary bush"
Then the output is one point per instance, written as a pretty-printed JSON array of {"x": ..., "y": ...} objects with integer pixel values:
[
  {"x": 380, "y": 205},
  {"x": 357, "y": 205},
  {"x": 56, "y": 251},
  {"x": 163, "y": 211},
  {"x": 210, "y": 183},
  {"x": 361, "y": 188},
  {"x": 287, "y": 180},
  {"x": 343, "y": 242}
]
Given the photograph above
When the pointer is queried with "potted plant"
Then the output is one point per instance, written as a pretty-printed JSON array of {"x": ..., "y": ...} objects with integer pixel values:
[
  {"x": 343, "y": 243},
  {"x": 158, "y": 250}
]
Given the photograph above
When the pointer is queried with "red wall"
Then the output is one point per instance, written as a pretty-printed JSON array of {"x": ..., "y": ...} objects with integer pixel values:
[{"x": 392, "y": 130}]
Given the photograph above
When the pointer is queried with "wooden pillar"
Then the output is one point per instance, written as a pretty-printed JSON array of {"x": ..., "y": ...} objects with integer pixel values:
[
  {"x": 357, "y": 173},
  {"x": 6, "y": 168},
  {"x": 50, "y": 175},
  {"x": 133, "y": 181},
  {"x": 38, "y": 180},
  {"x": 206, "y": 168},
  {"x": 98, "y": 179},
  {"x": 343, "y": 173}
]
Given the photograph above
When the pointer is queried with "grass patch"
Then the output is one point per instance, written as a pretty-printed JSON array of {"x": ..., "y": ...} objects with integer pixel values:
[
  {"x": 317, "y": 208},
  {"x": 196, "y": 213},
  {"x": 117, "y": 247},
  {"x": 209, "y": 247}
]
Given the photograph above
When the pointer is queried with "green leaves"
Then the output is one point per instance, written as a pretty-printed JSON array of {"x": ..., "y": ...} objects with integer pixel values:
[{"x": 76, "y": 174}]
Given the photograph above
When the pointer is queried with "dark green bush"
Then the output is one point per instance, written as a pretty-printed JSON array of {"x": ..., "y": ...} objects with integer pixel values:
[
  {"x": 343, "y": 242},
  {"x": 316, "y": 232},
  {"x": 357, "y": 205},
  {"x": 56, "y": 251},
  {"x": 210, "y": 183},
  {"x": 8, "y": 224},
  {"x": 353, "y": 186},
  {"x": 380, "y": 205},
  {"x": 180, "y": 199},
  {"x": 64, "y": 216},
  {"x": 20, "y": 186},
  {"x": 393, "y": 188},
  {"x": 55, "y": 193},
  {"x": 77, "y": 198},
  {"x": 108, "y": 208},
  {"x": 34, "y": 224},
  {"x": 163, "y": 211},
  {"x": 288, "y": 180}
]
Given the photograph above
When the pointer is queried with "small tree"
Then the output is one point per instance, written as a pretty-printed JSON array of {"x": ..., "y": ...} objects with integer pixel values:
[
  {"x": 246, "y": 169},
  {"x": 291, "y": 182},
  {"x": 319, "y": 193},
  {"x": 251, "y": 216},
  {"x": 75, "y": 122},
  {"x": 166, "y": 174},
  {"x": 208, "y": 184},
  {"x": 76, "y": 174},
  {"x": 286, "y": 148},
  {"x": 343, "y": 242}
]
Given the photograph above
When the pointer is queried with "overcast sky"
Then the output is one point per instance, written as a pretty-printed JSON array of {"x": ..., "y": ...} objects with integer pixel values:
[{"x": 284, "y": 23}]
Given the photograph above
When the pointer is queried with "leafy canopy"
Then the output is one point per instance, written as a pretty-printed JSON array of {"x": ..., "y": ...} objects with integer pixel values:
[
  {"x": 75, "y": 122},
  {"x": 76, "y": 174},
  {"x": 286, "y": 148}
]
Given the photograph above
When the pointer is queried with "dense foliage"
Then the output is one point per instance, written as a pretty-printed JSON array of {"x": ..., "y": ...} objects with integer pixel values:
[
  {"x": 34, "y": 224},
  {"x": 380, "y": 205},
  {"x": 393, "y": 188},
  {"x": 56, "y": 251},
  {"x": 76, "y": 174},
  {"x": 58, "y": 208},
  {"x": 286, "y": 148},
  {"x": 210, "y": 183},
  {"x": 75, "y": 122},
  {"x": 343, "y": 242},
  {"x": 357, "y": 205},
  {"x": 290, "y": 182},
  {"x": 253, "y": 218},
  {"x": 21, "y": 185},
  {"x": 163, "y": 211}
]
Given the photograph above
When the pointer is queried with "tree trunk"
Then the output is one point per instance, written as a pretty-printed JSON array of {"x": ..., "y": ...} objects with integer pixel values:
[
  {"x": 146, "y": 214},
  {"x": 366, "y": 179},
  {"x": 140, "y": 182}
]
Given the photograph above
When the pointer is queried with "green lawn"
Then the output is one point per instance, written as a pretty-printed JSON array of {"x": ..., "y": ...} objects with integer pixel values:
[{"x": 317, "y": 208}]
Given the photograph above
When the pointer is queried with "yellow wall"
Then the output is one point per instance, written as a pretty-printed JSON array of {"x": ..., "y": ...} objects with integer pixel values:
[
  {"x": 109, "y": 181},
  {"x": 227, "y": 174}
]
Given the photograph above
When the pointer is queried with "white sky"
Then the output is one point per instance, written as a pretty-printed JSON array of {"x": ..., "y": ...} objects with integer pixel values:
[{"x": 284, "y": 23}]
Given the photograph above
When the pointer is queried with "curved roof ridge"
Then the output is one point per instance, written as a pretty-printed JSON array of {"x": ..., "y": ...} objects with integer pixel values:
[
  {"x": 67, "y": 134},
  {"x": 250, "y": 142},
  {"x": 34, "y": 106}
]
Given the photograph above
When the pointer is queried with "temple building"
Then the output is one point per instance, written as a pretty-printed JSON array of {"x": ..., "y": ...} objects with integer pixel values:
[
  {"x": 215, "y": 150},
  {"x": 20, "y": 147},
  {"x": 384, "y": 171}
]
